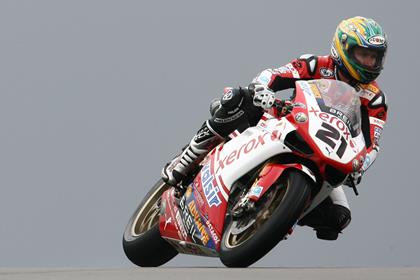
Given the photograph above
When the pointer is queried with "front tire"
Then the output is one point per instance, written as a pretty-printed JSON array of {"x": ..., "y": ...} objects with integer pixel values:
[
  {"x": 245, "y": 242},
  {"x": 142, "y": 242}
]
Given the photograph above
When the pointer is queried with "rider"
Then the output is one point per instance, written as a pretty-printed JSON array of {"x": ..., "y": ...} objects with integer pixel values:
[{"x": 357, "y": 57}]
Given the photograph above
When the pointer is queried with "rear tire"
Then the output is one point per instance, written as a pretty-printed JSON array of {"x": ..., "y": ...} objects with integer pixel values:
[
  {"x": 284, "y": 203},
  {"x": 142, "y": 242}
]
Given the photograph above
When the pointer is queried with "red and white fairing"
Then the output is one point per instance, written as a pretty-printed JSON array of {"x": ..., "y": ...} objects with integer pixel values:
[
  {"x": 194, "y": 224},
  {"x": 337, "y": 145}
]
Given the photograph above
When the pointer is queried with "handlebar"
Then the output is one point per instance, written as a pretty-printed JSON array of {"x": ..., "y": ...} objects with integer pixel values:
[{"x": 283, "y": 107}]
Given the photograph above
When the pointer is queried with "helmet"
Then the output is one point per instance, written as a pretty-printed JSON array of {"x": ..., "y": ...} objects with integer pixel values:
[{"x": 359, "y": 32}]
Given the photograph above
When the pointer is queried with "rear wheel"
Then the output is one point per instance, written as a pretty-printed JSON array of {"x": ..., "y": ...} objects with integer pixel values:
[
  {"x": 249, "y": 238},
  {"x": 142, "y": 242}
]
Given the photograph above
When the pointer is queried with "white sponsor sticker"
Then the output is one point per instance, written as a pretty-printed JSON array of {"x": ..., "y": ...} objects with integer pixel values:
[
  {"x": 377, "y": 122},
  {"x": 377, "y": 40},
  {"x": 295, "y": 73},
  {"x": 265, "y": 77},
  {"x": 256, "y": 191},
  {"x": 325, "y": 72}
]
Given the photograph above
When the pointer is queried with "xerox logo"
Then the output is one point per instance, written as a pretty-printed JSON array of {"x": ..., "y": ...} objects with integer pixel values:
[
  {"x": 251, "y": 145},
  {"x": 332, "y": 120}
]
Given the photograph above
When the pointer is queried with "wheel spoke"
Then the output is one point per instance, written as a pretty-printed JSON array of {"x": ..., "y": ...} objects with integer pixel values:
[
  {"x": 148, "y": 215},
  {"x": 267, "y": 207}
]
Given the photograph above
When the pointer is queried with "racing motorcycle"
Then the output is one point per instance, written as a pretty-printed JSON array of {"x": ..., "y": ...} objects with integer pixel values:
[{"x": 251, "y": 190}]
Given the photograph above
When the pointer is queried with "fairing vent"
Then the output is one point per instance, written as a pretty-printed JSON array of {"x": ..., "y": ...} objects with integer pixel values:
[
  {"x": 334, "y": 176},
  {"x": 296, "y": 143}
]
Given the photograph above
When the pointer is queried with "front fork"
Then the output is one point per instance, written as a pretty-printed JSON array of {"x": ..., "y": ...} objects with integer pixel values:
[{"x": 270, "y": 173}]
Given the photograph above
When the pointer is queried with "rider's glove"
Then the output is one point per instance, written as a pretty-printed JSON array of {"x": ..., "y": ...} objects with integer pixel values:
[{"x": 263, "y": 97}]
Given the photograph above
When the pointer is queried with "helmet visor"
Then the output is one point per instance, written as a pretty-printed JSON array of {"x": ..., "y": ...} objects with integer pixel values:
[{"x": 368, "y": 58}]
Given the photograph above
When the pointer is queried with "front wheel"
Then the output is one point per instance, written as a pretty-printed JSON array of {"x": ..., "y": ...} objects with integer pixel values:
[
  {"x": 142, "y": 242},
  {"x": 248, "y": 239}
]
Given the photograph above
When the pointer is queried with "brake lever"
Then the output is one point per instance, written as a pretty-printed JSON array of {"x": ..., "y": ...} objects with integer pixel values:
[{"x": 352, "y": 185}]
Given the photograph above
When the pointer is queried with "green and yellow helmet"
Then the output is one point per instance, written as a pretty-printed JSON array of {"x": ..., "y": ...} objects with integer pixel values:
[{"x": 358, "y": 32}]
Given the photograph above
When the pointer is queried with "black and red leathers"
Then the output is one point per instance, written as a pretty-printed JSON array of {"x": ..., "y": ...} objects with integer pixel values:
[
  {"x": 308, "y": 67},
  {"x": 237, "y": 110}
]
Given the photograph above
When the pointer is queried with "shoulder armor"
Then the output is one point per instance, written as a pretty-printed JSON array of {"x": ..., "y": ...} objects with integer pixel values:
[
  {"x": 311, "y": 62},
  {"x": 379, "y": 100}
]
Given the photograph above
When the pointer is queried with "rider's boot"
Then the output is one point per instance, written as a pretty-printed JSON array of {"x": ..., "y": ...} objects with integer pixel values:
[
  {"x": 182, "y": 166},
  {"x": 328, "y": 220}
]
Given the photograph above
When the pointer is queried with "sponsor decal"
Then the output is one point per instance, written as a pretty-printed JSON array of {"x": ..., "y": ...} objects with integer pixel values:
[
  {"x": 197, "y": 219},
  {"x": 366, "y": 162},
  {"x": 213, "y": 234},
  {"x": 332, "y": 120},
  {"x": 211, "y": 190},
  {"x": 325, "y": 72},
  {"x": 288, "y": 68},
  {"x": 304, "y": 86},
  {"x": 188, "y": 220},
  {"x": 181, "y": 230},
  {"x": 227, "y": 89},
  {"x": 228, "y": 94},
  {"x": 369, "y": 88},
  {"x": 372, "y": 88},
  {"x": 377, "y": 40},
  {"x": 334, "y": 53},
  {"x": 249, "y": 147},
  {"x": 231, "y": 118},
  {"x": 376, "y": 121},
  {"x": 265, "y": 77},
  {"x": 301, "y": 117},
  {"x": 340, "y": 114},
  {"x": 365, "y": 94},
  {"x": 299, "y": 105},
  {"x": 377, "y": 134},
  {"x": 192, "y": 222},
  {"x": 292, "y": 69},
  {"x": 198, "y": 197},
  {"x": 315, "y": 91},
  {"x": 282, "y": 70},
  {"x": 255, "y": 191}
]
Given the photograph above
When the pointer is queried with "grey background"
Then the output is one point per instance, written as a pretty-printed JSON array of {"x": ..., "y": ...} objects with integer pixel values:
[{"x": 95, "y": 96}]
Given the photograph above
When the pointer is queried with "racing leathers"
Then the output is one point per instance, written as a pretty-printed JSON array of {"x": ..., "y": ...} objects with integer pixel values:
[{"x": 236, "y": 111}]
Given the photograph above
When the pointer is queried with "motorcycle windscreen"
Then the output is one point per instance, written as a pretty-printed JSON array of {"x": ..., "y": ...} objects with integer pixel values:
[{"x": 334, "y": 119}]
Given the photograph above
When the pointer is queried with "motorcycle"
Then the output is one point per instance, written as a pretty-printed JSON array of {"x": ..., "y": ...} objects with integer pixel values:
[{"x": 251, "y": 191}]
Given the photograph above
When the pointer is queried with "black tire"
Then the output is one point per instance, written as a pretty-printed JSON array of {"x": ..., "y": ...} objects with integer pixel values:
[
  {"x": 142, "y": 242},
  {"x": 288, "y": 203}
]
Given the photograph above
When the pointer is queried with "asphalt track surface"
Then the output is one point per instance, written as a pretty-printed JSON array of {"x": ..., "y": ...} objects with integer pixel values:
[{"x": 186, "y": 273}]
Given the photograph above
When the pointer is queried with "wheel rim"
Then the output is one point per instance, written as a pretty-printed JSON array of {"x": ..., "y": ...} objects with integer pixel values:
[
  {"x": 148, "y": 215},
  {"x": 240, "y": 232}
]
